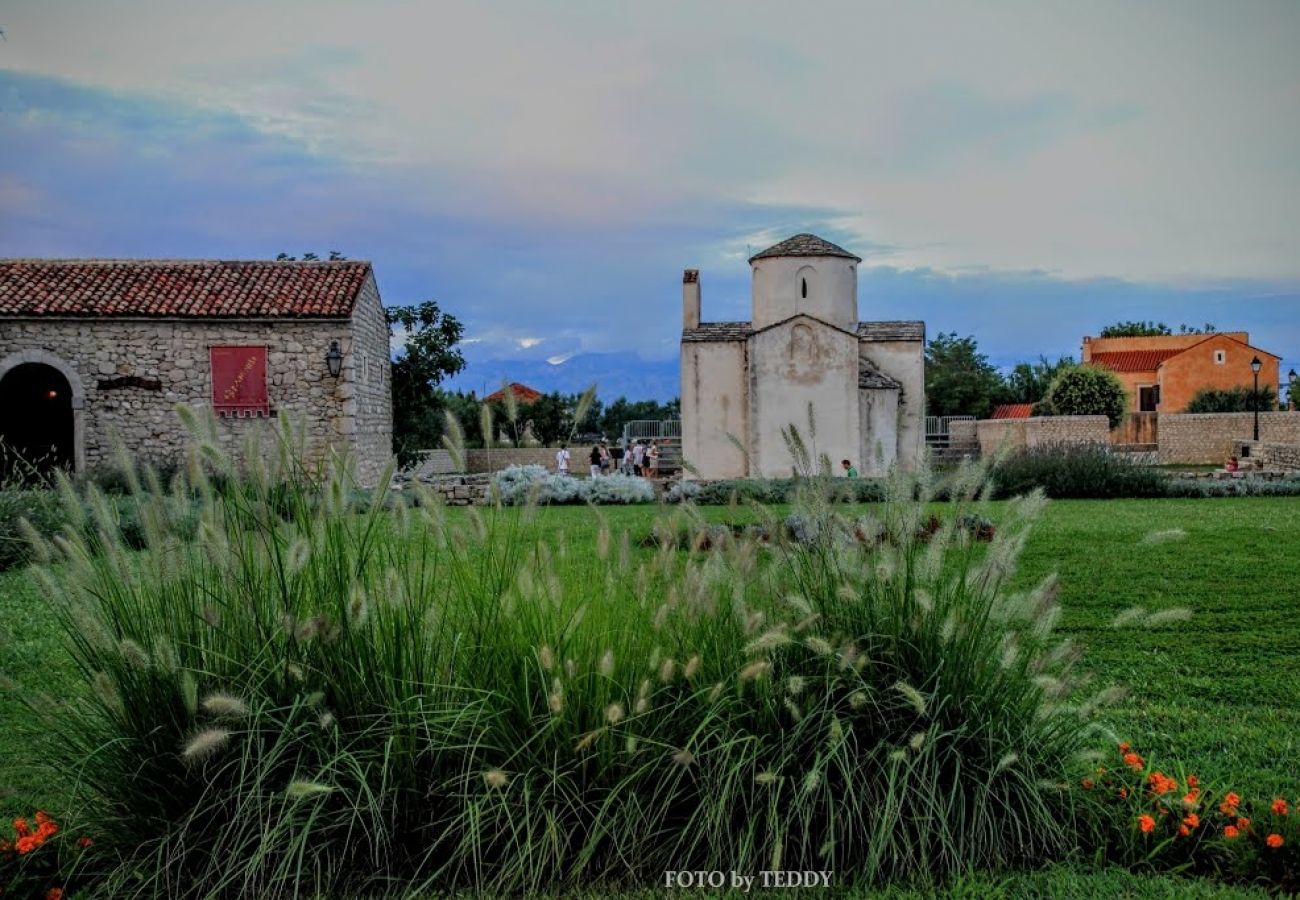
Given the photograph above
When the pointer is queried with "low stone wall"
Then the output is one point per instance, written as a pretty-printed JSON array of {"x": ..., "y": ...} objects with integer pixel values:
[
  {"x": 1207, "y": 438},
  {"x": 497, "y": 458},
  {"x": 992, "y": 435},
  {"x": 962, "y": 437},
  {"x": 459, "y": 490},
  {"x": 433, "y": 462},
  {"x": 1273, "y": 457}
]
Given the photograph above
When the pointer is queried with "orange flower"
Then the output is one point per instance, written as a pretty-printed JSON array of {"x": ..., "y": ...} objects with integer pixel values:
[
  {"x": 1147, "y": 824},
  {"x": 1230, "y": 803},
  {"x": 84, "y": 841},
  {"x": 1184, "y": 831},
  {"x": 54, "y": 893},
  {"x": 1279, "y": 807},
  {"x": 1161, "y": 784},
  {"x": 1133, "y": 761},
  {"x": 1124, "y": 747},
  {"x": 1274, "y": 840},
  {"x": 27, "y": 843},
  {"x": 1243, "y": 823},
  {"x": 1230, "y": 832},
  {"x": 1192, "y": 820},
  {"x": 1123, "y": 793},
  {"x": 20, "y": 828},
  {"x": 1192, "y": 781},
  {"x": 1190, "y": 798},
  {"x": 1087, "y": 784}
]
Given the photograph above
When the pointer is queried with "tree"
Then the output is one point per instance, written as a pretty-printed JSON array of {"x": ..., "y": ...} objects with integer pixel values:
[
  {"x": 1237, "y": 399},
  {"x": 622, "y": 411},
  {"x": 430, "y": 356},
  {"x": 959, "y": 380},
  {"x": 1151, "y": 329},
  {"x": 1029, "y": 382},
  {"x": 1085, "y": 391}
]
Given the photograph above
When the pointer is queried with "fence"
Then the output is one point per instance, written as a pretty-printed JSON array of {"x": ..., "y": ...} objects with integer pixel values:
[{"x": 937, "y": 432}]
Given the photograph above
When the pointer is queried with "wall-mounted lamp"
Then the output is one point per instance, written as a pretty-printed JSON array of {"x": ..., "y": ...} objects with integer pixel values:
[{"x": 334, "y": 359}]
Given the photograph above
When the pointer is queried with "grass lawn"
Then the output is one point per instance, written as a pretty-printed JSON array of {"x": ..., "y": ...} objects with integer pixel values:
[{"x": 1218, "y": 696}]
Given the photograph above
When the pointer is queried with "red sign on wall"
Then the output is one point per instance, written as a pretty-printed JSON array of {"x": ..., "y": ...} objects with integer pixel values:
[{"x": 239, "y": 381}]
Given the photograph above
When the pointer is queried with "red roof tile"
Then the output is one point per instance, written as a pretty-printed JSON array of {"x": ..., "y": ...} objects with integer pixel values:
[
  {"x": 1013, "y": 411},
  {"x": 523, "y": 393},
  {"x": 1134, "y": 360},
  {"x": 96, "y": 288}
]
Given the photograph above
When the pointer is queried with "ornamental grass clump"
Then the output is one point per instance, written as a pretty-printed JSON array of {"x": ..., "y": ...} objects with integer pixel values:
[{"x": 319, "y": 696}]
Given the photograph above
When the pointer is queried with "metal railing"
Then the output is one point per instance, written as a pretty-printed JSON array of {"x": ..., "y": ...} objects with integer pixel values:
[{"x": 936, "y": 429}]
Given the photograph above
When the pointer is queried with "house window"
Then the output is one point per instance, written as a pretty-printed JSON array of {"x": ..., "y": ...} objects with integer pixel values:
[
  {"x": 1220, "y": 357},
  {"x": 1148, "y": 398}
]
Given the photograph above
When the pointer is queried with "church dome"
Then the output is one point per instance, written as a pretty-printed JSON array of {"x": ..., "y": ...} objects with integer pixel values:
[{"x": 804, "y": 245}]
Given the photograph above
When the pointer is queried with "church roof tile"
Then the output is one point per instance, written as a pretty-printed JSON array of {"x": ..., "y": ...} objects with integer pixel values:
[{"x": 804, "y": 245}]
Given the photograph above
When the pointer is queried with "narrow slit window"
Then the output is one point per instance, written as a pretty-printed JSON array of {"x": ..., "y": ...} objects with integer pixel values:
[{"x": 803, "y": 288}]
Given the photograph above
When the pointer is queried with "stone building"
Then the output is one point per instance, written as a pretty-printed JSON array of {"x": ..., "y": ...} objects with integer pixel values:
[
  {"x": 1162, "y": 373},
  {"x": 98, "y": 351},
  {"x": 743, "y": 382}
]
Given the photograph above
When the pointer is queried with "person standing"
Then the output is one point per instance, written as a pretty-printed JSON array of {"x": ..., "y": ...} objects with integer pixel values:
[
  {"x": 638, "y": 458},
  {"x": 562, "y": 460},
  {"x": 595, "y": 460},
  {"x": 652, "y": 460},
  {"x": 606, "y": 461}
]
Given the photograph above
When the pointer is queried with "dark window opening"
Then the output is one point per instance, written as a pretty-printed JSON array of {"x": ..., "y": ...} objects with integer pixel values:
[
  {"x": 1149, "y": 398},
  {"x": 36, "y": 431},
  {"x": 803, "y": 287}
]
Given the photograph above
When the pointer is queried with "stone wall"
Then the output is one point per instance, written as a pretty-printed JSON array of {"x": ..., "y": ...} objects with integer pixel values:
[
  {"x": 168, "y": 360},
  {"x": 1208, "y": 438},
  {"x": 498, "y": 458},
  {"x": 1283, "y": 457},
  {"x": 991, "y": 435},
  {"x": 460, "y": 490}
]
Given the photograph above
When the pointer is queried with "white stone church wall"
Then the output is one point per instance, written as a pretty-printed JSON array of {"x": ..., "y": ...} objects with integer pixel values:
[
  {"x": 904, "y": 361},
  {"x": 715, "y": 403}
]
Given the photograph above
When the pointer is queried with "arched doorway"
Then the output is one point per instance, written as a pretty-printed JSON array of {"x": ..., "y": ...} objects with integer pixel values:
[{"x": 37, "y": 421}]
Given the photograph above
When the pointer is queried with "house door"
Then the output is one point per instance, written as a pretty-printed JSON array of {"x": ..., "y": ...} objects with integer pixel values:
[{"x": 1148, "y": 398}]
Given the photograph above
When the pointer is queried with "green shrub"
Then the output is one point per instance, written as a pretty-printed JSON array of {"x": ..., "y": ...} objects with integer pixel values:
[
  {"x": 1237, "y": 399},
  {"x": 771, "y": 490},
  {"x": 39, "y": 507},
  {"x": 349, "y": 700},
  {"x": 1085, "y": 391},
  {"x": 1076, "y": 471}
]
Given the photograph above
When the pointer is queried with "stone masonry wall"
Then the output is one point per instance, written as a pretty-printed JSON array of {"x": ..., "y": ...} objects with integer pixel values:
[
  {"x": 174, "y": 353},
  {"x": 1208, "y": 438},
  {"x": 993, "y": 434},
  {"x": 366, "y": 389},
  {"x": 1284, "y": 457}
]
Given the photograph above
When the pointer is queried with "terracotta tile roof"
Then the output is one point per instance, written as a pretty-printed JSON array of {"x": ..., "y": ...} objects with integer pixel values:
[
  {"x": 1133, "y": 360},
  {"x": 804, "y": 245},
  {"x": 523, "y": 393},
  {"x": 94, "y": 288},
  {"x": 1012, "y": 411}
]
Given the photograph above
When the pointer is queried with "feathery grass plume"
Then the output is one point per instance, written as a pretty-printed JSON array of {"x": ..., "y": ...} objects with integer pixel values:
[
  {"x": 582, "y": 407},
  {"x": 1006, "y": 761},
  {"x": 914, "y": 697},
  {"x": 858, "y": 699},
  {"x": 453, "y": 440},
  {"x": 495, "y": 779},
  {"x": 358, "y": 607},
  {"x": 555, "y": 700},
  {"x": 795, "y": 685},
  {"x": 189, "y": 691},
  {"x": 917, "y": 741},
  {"x": 818, "y": 645},
  {"x": 683, "y": 758},
  {"x": 769, "y": 640},
  {"x": 661, "y": 617},
  {"x": 642, "y": 697},
  {"x": 793, "y": 709},
  {"x": 614, "y": 713},
  {"x": 1168, "y": 616},
  {"x": 715, "y": 692},
  {"x": 607, "y": 663},
  {"x": 766, "y": 777},
  {"x": 301, "y": 789},
  {"x": 1165, "y": 536},
  {"x": 812, "y": 781},
  {"x": 1010, "y": 650},
  {"x": 754, "y": 670},
  {"x": 106, "y": 690},
  {"x": 692, "y": 667},
  {"x": 325, "y": 720},
  {"x": 1131, "y": 616},
  {"x": 546, "y": 658},
  {"x": 667, "y": 671},
  {"x": 204, "y": 744},
  {"x": 133, "y": 653},
  {"x": 585, "y": 742},
  {"x": 224, "y": 706}
]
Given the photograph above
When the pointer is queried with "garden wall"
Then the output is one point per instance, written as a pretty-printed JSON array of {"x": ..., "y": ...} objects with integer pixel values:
[
  {"x": 497, "y": 458},
  {"x": 1207, "y": 438},
  {"x": 992, "y": 434}
]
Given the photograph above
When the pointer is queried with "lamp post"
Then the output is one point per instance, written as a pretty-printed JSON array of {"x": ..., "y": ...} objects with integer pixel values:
[
  {"x": 1255, "y": 366},
  {"x": 334, "y": 359},
  {"x": 1290, "y": 390}
]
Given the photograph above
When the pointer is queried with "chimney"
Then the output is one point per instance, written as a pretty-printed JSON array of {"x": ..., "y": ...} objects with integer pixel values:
[{"x": 691, "y": 299}]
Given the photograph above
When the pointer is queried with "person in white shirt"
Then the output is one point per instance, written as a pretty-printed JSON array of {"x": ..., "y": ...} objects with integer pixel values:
[
  {"x": 638, "y": 457},
  {"x": 562, "y": 460}
]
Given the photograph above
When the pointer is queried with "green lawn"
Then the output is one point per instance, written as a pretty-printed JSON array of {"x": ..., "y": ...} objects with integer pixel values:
[{"x": 1219, "y": 695}]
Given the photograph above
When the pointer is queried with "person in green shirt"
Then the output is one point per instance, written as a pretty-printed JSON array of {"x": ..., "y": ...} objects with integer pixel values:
[{"x": 849, "y": 470}]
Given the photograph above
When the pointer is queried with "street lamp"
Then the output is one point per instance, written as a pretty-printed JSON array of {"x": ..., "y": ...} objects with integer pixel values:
[
  {"x": 1255, "y": 366},
  {"x": 1290, "y": 390},
  {"x": 334, "y": 359}
]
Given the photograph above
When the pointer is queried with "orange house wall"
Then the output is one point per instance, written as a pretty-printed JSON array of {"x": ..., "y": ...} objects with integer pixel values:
[
  {"x": 1093, "y": 345},
  {"x": 1183, "y": 375}
]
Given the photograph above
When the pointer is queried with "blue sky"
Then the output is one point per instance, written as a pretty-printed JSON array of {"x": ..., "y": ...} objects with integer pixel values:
[{"x": 1023, "y": 172}]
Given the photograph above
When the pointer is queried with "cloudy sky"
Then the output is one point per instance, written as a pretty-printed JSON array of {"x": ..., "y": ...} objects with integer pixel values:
[{"x": 1023, "y": 172}]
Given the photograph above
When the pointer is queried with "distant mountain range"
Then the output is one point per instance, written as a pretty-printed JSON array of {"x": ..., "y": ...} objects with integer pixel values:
[{"x": 615, "y": 375}]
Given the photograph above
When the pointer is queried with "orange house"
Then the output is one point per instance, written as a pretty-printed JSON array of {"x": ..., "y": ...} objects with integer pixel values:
[{"x": 1163, "y": 372}]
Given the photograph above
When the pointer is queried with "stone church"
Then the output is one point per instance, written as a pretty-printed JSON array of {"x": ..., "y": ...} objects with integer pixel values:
[
  {"x": 743, "y": 382},
  {"x": 98, "y": 351}
]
